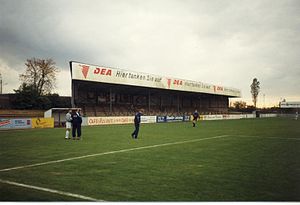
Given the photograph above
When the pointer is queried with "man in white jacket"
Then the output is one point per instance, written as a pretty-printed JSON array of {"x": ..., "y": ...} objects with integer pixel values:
[{"x": 68, "y": 123}]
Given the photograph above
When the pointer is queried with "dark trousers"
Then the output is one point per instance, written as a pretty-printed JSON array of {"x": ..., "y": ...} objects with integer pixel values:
[
  {"x": 136, "y": 131},
  {"x": 76, "y": 127},
  {"x": 194, "y": 121}
]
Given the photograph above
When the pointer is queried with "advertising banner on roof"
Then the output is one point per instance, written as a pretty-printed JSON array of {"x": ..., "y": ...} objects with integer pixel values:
[{"x": 80, "y": 71}]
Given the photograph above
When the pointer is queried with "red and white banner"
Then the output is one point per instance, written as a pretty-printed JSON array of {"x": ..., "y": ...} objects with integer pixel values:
[{"x": 102, "y": 74}]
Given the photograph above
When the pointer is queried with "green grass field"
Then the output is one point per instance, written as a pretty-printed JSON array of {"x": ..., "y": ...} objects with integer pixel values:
[{"x": 230, "y": 160}]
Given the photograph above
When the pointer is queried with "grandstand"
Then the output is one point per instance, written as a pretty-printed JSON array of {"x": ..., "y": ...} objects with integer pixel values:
[
  {"x": 11, "y": 113},
  {"x": 105, "y": 91}
]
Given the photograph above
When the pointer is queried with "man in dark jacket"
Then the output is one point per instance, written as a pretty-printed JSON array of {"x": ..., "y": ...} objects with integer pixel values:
[
  {"x": 195, "y": 117},
  {"x": 76, "y": 124},
  {"x": 137, "y": 122}
]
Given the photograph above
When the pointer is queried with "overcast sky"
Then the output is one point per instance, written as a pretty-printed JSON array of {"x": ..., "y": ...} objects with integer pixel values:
[{"x": 225, "y": 42}]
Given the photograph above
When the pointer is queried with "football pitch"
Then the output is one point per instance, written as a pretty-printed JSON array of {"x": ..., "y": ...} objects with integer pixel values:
[{"x": 228, "y": 160}]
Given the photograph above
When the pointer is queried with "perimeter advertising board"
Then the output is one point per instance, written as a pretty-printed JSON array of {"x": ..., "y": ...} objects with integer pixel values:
[
  {"x": 289, "y": 104},
  {"x": 109, "y": 120},
  {"x": 81, "y": 71},
  {"x": 118, "y": 120},
  {"x": 15, "y": 123},
  {"x": 42, "y": 122}
]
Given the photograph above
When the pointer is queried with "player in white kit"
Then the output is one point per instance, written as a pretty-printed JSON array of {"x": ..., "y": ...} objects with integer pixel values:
[{"x": 68, "y": 123}]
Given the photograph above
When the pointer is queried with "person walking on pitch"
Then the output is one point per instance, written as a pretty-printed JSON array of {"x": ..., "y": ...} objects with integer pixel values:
[
  {"x": 137, "y": 122},
  {"x": 195, "y": 117}
]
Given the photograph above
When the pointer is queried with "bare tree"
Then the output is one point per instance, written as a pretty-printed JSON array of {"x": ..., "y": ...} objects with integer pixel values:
[
  {"x": 40, "y": 74},
  {"x": 255, "y": 90}
]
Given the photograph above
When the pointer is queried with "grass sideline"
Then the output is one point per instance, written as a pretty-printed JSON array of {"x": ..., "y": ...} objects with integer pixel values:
[{"x": 254, "y": 160}]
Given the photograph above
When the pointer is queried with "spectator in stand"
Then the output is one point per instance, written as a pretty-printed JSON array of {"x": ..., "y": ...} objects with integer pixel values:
[
  {"x": 76, "y": 124},
  {"x": 137, "y": 122}
]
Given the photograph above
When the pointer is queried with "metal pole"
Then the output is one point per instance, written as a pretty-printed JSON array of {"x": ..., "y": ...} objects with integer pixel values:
[
  {"x": 149, "y": 101},
  {"x": 73, "y": 93},
  {"x": 177, "y": 104},
  {"x": 110, "y": 101},
  {"x": 0, "y": 83}
]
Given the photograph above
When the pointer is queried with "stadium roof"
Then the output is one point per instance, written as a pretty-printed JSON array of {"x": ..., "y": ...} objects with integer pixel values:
[{"x": 101, "y": 74}]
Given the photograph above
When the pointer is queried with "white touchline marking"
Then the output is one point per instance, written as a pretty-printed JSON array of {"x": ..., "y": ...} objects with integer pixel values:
[
  {"x": 281, "y": 138},
  {"x": 51, "y": 190},
  {"x": 111, "y": 152}
]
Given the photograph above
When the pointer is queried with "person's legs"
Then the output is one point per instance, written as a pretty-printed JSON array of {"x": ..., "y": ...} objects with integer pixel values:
[
  {"x": 78, "y": 131},
  {"x": 67, "y": 133},
  {"x": 136, "y": 131},
  {"x": 74, "y": 128},
  {"x": 68, "y": 129},
  {"x": 137, "y": 128}
]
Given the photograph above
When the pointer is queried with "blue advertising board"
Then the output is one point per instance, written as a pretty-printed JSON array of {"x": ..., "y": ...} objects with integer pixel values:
[
  {"x": 160, "y": 119},
  {"x": 186, "y": 118},
  {"x": 174, "y": 118}
]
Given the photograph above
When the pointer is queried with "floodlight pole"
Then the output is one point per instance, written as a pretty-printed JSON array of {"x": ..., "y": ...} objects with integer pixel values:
[
  {"x": 110, "y": 101},
  {"x": 0, "y": 83}
]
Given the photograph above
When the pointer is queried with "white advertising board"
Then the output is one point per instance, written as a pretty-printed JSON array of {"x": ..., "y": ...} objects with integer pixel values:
[
  {"x": 116, "y": 120},
  {"x": 148, "y": 119},
  {"x": 16, "y": 123},
  {"x": 227, "y": 116},
  {"x": 81, "y": 71},
  {"x": 289, "y": 104},
  {"x": 110, "y": 120}
]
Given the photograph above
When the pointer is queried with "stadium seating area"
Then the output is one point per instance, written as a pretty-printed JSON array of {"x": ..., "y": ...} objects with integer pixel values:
[
  {"x": 7, "y": 113},
  {"x": 126, "y": 110}
]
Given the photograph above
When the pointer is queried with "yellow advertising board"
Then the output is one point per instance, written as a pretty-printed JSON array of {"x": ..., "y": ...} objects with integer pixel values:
[{"x": 42, "y": 122}]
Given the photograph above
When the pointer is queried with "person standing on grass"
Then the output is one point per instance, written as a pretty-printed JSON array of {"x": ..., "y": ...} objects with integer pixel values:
[
  {"x": 296, "y": 115},
  {"x": 68, "y": 123},
  {"x": 76, "y": 124},
  {"x": 195, "y": 117},
  {"x": 137, "y": 122}
]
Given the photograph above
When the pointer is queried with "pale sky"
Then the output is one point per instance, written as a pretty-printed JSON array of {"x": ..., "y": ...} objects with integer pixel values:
[{"x": 223, "y": 42}]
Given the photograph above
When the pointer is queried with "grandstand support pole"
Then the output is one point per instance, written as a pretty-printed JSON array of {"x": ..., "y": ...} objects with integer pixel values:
[
  {"x": 59, "y": 118},
  {"x": 149, "y": 100},
  {"x": 177, "y": 104},
  {"x": 73, "y": 93},
  {"x": 110, "y": 101}
]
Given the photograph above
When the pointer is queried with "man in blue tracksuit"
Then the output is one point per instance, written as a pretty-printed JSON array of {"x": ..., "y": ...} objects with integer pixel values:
[
  {"x": 137, "y": 122},
  {"x": 195, "y": 117},
  {"x": 76, "y": 124}
]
